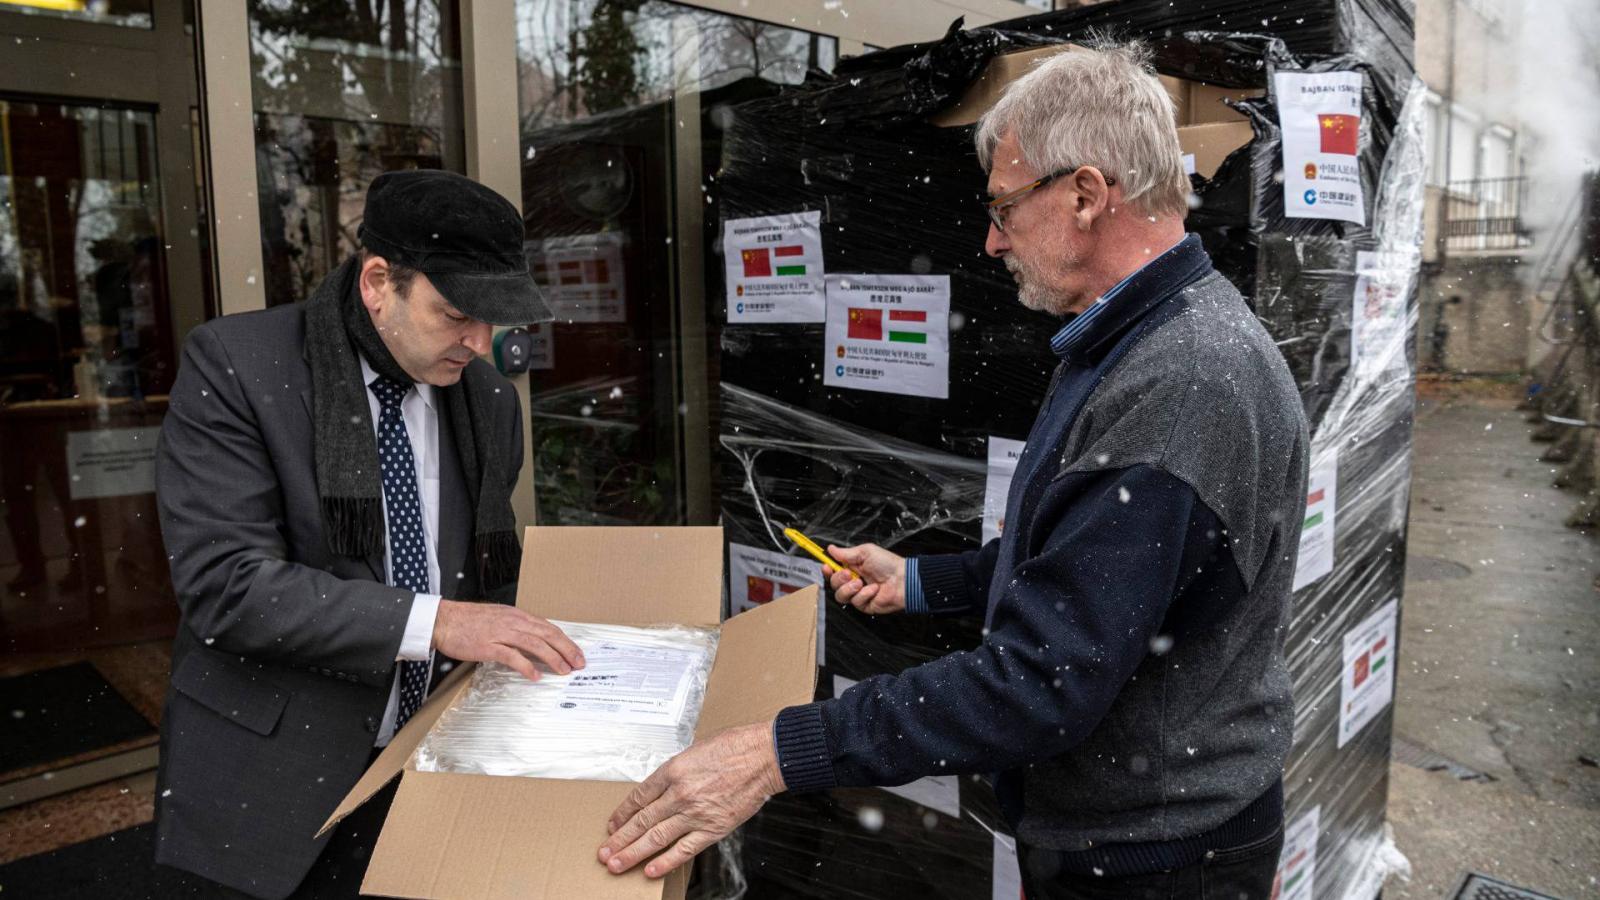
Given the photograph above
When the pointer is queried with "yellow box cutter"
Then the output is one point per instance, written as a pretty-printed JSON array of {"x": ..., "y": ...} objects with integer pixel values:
[{"x": 810, "y": 546}]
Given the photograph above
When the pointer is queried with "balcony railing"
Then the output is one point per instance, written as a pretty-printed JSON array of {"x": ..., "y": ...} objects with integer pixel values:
[{"x": 1486, "y": 214}]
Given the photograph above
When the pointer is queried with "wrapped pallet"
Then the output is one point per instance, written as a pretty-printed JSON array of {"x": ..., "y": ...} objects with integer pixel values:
[{"x": 867, "y": 181}]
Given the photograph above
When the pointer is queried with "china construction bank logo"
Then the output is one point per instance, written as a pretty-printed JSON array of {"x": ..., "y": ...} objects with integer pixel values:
[{"x": 1311, "y": 197}]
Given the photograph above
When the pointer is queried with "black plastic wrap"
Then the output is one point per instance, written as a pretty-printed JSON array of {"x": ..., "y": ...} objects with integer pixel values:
[{"x": 899, "y": 196}]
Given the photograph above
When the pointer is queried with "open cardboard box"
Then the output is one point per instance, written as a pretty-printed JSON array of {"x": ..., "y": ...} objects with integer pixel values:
[
  {"x": 1211, "y": 143},
  {"x": 452, "y": 835}
]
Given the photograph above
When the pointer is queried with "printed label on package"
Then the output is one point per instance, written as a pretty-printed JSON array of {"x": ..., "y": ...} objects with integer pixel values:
[
  {"x": 757, "y": 576},
  {"x": 889, "y": 333},
  {"x": 774, "y": 268},
  {"x": 581, "y": 276},
  {"x": 1297, "y": 863},
  {"x": 1366, "y": 683},
  {"x": 1003, "y": 456},
  {"x": 941, "y": 793},
  {"x": 1320, "y": 115},
  {"x": 1378, "y": 318},
  {"x": 1317, "y": 527}
]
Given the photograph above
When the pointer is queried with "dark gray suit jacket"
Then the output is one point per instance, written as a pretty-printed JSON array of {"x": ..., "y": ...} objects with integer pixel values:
[{"x": 285, "y": 653}]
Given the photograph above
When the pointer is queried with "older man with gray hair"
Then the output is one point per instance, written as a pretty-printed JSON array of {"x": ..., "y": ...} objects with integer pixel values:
[{"x": 1130, "y": 696}]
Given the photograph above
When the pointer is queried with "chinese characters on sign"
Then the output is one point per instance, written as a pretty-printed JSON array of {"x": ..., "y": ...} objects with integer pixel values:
[
  {"x": 889, "y": 333},
  {"x": 1320, "y": 115},
  {"x": 774, "y": 268}
]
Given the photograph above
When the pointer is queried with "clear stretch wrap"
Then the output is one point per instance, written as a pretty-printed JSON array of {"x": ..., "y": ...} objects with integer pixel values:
[
  {"x": 896, "y": 195},
  {"x": 630, "y": 709}
]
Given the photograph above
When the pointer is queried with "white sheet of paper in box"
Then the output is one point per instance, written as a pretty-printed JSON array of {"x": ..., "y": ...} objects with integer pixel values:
[
  {"x": 1318, "y": 527},
  {"x": 1320, "y": 114},
  {"x": 889, "y": 333},
  {"x": 937, "y": 792},
  {"x": 1366, "y": 680},
  {"x": 773, "y": 267},
  {"x": 636, "y": 685},
  {"x": 1003, "y": 456}
]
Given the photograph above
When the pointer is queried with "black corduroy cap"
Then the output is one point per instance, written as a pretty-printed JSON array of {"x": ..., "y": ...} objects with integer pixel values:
[{"x": 465, "y": 237}]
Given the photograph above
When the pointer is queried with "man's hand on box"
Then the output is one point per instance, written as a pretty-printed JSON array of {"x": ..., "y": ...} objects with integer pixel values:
[
  {"x": 494, "y": 632},
  {"x": 697, "y": 798},
  {"x": 882, "y": 586}
]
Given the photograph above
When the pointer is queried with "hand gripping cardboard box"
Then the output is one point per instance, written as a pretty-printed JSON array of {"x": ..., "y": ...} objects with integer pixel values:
[{"x": 477, "y": 837}]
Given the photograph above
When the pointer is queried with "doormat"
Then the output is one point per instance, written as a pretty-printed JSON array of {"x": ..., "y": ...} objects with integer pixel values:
[
  {"x": 56, "y": 713},
  {"x": 1482, "y": 887}
]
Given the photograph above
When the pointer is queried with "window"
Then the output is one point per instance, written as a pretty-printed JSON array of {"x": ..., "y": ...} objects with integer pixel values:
[
  {"x": 620, "y": 106},
  {"x": 343, "y": 92}
]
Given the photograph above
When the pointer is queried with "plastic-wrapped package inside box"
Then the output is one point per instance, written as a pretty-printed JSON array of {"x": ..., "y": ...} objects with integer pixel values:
[
  {"x": 631, "y": 708},
  {"x": 897, "y": 195}
]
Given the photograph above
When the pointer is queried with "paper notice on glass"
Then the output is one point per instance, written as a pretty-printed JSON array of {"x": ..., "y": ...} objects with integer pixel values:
[
  {"x": 1006, "y": 876},
  {"x": 1378, "y": 319},
  {"x": 1297, "y": 863},
  {"x": 774, "y": 268},
  {"x": 543, "y": 354},
  {"x": 889, "y": 333},
  {"x": 628, "y": 684},
  {"x": 111, "y": 462},
  {"x": 1366, "y": 682},
  {"x": 1320, "y": 114},
  {"x": 1003, "y": 456},
  {"x": 1317, "y": 528},
  {"x": 581, "y": 276},
  {"x": 941, "y": 793},
  {"x": 757, "y": 577}
]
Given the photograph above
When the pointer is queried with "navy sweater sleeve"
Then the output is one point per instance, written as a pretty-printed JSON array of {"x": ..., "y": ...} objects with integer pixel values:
[
  {"x": 1107, "y": 553},
  {"x": 953, "y": 583}
]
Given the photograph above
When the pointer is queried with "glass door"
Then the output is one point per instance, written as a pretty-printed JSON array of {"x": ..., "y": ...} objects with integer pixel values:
[{"x": 103, "y": 271}]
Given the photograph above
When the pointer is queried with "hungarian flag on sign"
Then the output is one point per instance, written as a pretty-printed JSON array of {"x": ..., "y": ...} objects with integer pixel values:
[
  {"x": 757, "y": 263},
  {"x": 865, "y": 325},
  {"x": 1339, "y": 133}
]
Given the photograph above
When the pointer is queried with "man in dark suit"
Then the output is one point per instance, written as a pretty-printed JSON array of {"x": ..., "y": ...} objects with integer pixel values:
[{"x": 334, "y": 480}]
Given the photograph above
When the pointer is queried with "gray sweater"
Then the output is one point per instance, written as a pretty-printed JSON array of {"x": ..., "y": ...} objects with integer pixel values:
[{"x": 1131, "y": 691}]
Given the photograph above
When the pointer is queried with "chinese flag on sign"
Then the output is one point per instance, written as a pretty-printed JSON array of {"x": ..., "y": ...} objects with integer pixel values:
[
  {"x": 759, "y": 590},
  {"x": 1339, "y": 133},
  {"x": 757, "y": 263},
  {"x": 865, "y": 325},
  {"x": 1363, "y": 669}
]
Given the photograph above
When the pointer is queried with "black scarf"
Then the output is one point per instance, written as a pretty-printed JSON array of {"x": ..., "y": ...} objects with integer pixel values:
[{"x": 349, "y": 478}]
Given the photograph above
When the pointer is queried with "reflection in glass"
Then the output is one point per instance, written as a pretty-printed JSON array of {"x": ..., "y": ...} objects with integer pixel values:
[
  {"x": 345, "y": 91},
  {"x": 601, "y": 86},
  {"x": 86, "y": 358},
  {"x": 127, "y": 13}
]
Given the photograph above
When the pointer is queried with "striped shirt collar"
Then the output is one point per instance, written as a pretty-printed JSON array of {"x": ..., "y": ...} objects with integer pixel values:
[{"x": 1079, "y": 334}]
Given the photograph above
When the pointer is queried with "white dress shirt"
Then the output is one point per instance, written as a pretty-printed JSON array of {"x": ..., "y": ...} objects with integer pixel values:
[{"x": 422, "y": 427}]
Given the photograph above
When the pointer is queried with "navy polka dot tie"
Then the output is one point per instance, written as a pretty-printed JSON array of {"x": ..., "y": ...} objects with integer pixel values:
[{"x": 408, "y": 557}]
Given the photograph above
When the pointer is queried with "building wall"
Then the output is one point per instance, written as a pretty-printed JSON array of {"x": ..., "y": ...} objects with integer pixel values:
[{"x": 1478, "y": 311}]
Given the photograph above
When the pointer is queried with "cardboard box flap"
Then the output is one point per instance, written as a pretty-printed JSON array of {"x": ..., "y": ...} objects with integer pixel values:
[
  {"x": 766, "y": 660},
  {"x": 393, "y": 759},
  {"x": 602, "y": 574},
  {"x": 497, "y": 838}
]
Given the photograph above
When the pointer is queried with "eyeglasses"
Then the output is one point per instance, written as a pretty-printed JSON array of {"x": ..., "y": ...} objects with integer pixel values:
[{"x": 997, "y": 207}]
